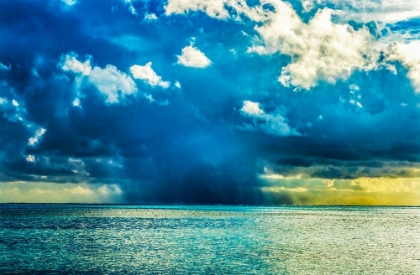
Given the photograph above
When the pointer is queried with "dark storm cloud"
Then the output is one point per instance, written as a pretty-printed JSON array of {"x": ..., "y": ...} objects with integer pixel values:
[{"x": 195, "y": 149}]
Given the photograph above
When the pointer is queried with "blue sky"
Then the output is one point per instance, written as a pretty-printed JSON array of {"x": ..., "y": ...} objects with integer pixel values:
[{"x": 232, "y": 102}]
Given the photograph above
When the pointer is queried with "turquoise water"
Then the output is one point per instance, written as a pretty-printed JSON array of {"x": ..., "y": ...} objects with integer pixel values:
[{"x": 80, "y": 239}]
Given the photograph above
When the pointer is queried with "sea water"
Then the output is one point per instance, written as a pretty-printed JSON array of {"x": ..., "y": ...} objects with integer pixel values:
[{"x": 93, "y": 239}]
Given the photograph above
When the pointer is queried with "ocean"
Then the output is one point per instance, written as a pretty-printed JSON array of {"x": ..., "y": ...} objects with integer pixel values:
[{"x": 123, "y": 239}]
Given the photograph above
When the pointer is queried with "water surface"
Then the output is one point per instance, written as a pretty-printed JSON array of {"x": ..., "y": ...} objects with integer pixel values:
[{"x": 92, "y": 239}]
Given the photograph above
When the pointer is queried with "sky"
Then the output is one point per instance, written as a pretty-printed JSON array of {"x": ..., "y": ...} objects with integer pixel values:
[{"x": 210, "y": 102}]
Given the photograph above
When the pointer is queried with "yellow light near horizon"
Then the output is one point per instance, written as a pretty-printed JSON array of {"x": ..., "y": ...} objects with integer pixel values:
[
  {"x": 48, "y": 192},
  {"x": 361, "y": 191}
]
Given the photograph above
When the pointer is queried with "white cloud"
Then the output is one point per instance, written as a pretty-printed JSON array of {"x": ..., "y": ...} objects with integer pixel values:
[
  {"x": 150, "y": 98},
  {"x": 386, "y": 11},
  {"x": 214, "y": 8},
  {"x": 112, "y": 83},
  {"x": 273, "y": 124},
  {"x": 14, "y": 111},
  {"x": 148, "y": 75},
  {"x": 132, "y": 10},
  {"x": 76, "y": 102},
  {"x": 77, "y": 166},
  {"x": 4, "y": 67},
  {"x": 30, "y": 158},
  {"x": 109, "y": 189},
  {"x": 130, "y": 6},
  {"x": 150, "y": 17},
  {"x": 251, "y": 108},
  {"x": 15, "y": 103},
  {"x": 178, "y": 85},
  {"x": 307, "y": 5},
  {"x": 322, "y": 49},
  {"x": 409, "y": 56},
  {"x": 69, "y": 62},
  {"x": 193, "y": 57},
  {"x": 79, "y": 190},
  {"x": 34, "y": 140}
]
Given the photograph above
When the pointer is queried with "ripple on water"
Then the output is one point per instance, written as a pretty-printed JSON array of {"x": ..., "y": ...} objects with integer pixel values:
[{"x": 80, "y": 239}]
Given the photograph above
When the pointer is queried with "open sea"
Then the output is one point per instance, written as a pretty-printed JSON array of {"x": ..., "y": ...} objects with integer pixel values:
[{"x": 97, "y": 239}]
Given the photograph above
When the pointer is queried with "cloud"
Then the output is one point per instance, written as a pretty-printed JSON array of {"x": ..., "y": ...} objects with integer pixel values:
[
  {"x": 4, "y": 67},
  {"x": 193, "y": 57},
  {"x": 148, "y": 75},
  {"x": 307, "y": 5},
  {"x": 220, "y": 9},
  {"x": 78, "y": 190},
  {"x": 307, "y": 168},
  {"x": 150, "y": 17},
  {"x": 351, "y": 183},
  {"x": 132, "y": 10},
  {"x": 34, "y": 140},
  {"x": 110, "y": 82},
  {"x": 30, "y": 158},
  {"x": 212, "y": 8},
  {"x": 109, "y": 189},
  {"x": 251, "y": 108},
  {"x": 13, "y": 111},
  {"x": 320, "y": 50},
  {"x": 273, "y": 124},
  {"x": 409, "y": 56},
  {"x": 47, "y": 192},
  {"x": 364, "y": 191},
  {"x": 69, "y": 62},
  {"x": 387, "y": 11},
  {"x": 69, "y": 2},
  {"x": 287, "y": 189},
  {"x": 344, "y": 129}
]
